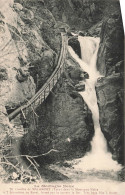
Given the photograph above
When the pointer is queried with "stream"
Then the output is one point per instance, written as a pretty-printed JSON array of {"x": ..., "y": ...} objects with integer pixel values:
[{"x": 98, "y": 163}]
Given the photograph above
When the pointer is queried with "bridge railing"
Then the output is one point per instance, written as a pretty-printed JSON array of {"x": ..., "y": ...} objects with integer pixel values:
[{"x": 43, "y": 93}]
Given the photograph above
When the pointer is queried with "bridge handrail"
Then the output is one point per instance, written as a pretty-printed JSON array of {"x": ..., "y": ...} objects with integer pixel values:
[
  {"x": 44, "y": 87},
  {"x": 59, "y": 65}
]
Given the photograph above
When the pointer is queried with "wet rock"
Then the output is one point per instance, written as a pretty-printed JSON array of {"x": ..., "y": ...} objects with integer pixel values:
[
  {"x": 119, "y": 67},
  {"x": 82, "y": 33},
  {"x": 69, "y": 34},
  {"x": 110, "y": 100},
  {"x": 74, "y": 94},
  {"x": 80, "y": 87},
  {"x": 84, "y": 75},
  {"x": 74, "y": 73},
  {"x": 74, "y": 43}
]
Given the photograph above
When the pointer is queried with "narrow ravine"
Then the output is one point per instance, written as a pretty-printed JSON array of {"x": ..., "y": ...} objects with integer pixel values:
[
  {"x": 98, "y": 158},
  {"x": 77, "y": 133}
]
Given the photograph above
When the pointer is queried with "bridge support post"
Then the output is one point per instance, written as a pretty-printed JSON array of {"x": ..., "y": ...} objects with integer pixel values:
[
  {"x": 49, "y": 88},
  {"x": 44, "y": 94},
  {"x": 57, "y": 76}
]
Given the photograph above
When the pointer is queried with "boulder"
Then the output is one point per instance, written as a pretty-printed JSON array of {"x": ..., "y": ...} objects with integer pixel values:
[
  {"x": 82, "y": 33},
  {"x": 69, "y": 34},
  {"x": 18, "y": 6},
  {"x": 84, "y": 75},
  {"x": 22, "y": 74},
  {"x": 80, "y": 87},
  {"x": 74, "y": 43}
]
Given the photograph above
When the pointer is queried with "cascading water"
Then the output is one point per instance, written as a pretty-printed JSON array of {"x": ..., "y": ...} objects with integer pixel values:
[{"x": 98, "y": 158}]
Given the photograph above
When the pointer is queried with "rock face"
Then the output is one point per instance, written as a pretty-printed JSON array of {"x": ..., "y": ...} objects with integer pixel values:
[
  {"x": 78, "y": 14},
  {"x": 65, "y": 122},
  {"x": 110, "y": 89},
  {"x": 31, "y": 56},
  {"x": 41, "y": 39},
  {"x": 12, "y": 91},
  {"x": 110, "y": 99},
  {"x": 111, "y": 50}
]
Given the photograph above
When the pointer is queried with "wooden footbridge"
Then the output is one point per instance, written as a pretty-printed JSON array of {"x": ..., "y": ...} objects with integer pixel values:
[{"x": 43, "y": 93}]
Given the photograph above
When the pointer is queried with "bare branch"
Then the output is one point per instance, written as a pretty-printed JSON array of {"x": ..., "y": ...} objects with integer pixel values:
[
  {"x": 6, "y": 44},
  {"x": 12, "y": 52},
  {"x": 28, "y": 158},
  {"x": 10, "y": 164},
  {"x": 52, "y": 150}
]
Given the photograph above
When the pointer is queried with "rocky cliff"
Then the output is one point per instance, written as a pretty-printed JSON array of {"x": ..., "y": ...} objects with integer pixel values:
[
  {"x": 30, "y": 48},
  {"x": 110, "y": 89},
  {"x": 110, "y": 93},
  {"x": 28, "y": 57},
  {"x": 78, "y": 14},
  {"x": 111, "y": 50},
  {"x": 64, "y": 123}
]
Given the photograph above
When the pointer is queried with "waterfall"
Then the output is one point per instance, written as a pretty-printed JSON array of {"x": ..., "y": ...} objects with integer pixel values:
[{"x": 98, "y": 158}]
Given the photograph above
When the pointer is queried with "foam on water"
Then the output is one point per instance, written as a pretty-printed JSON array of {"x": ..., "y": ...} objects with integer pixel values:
[{"x": 98, "y": 158}]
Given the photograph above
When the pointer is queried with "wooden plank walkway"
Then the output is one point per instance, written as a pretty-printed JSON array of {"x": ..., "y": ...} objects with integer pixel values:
[{"x": 43, "y": 93}]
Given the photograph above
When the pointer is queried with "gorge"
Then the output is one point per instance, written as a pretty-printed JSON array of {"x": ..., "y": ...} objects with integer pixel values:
[{"x": 83, "y": 115}]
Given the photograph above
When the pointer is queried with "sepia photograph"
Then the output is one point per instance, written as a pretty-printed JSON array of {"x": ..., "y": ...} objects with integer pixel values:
[{"x": 62, "y": 97}]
